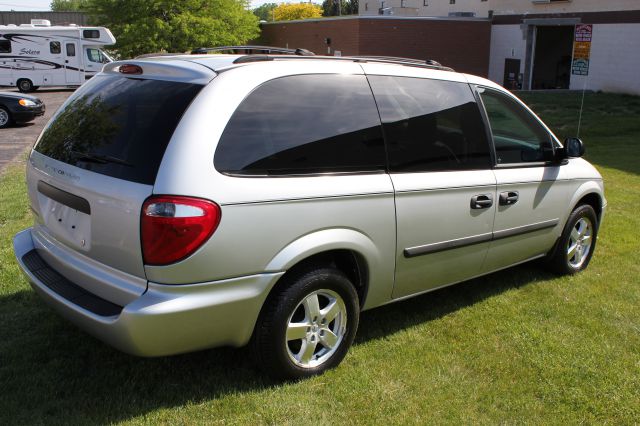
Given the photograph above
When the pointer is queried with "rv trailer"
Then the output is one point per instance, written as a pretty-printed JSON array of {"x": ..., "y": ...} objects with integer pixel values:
[{"x": 38, "y": 54}]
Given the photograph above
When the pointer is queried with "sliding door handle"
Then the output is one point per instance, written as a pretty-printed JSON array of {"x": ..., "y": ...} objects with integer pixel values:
[
  {"x": 481, "y": 201},
  {"x": 508, "y": 198}
]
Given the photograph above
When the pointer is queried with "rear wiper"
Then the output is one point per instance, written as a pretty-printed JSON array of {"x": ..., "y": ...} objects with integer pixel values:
[{"x": 99, "y": 158}]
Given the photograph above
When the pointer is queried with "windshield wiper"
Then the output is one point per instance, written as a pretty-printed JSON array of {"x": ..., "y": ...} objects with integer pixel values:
[{"x": 99, "y": 158}]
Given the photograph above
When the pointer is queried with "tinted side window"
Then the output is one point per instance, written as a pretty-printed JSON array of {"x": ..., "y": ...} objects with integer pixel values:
[
  {"x": 54, "y": 47},
  {"x": 517, "y": 135},
  {"x": 91, "y": 34},
  {"x": 304, "y": 124},
  {"x": 430, "y": 125},
  {"x": 71, "y": 49},
  {"x": 5, "y": 46}
]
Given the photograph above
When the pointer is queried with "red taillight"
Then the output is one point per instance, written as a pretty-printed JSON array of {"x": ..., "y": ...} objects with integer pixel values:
[
  {"x": 175, "y": 227},
  {"x": 130, "y": 69}
]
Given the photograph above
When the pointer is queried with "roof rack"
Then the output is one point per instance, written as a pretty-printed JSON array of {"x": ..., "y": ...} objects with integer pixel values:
[
  {"x": 251, "y": 49},
  {"x": 154, "y": 55},
  {"x": 429, "y": 63},
  {"x": 400, "y": 59}
]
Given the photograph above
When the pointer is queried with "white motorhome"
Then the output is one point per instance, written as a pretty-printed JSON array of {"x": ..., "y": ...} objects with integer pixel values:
[{"x": 38, "y": 54}]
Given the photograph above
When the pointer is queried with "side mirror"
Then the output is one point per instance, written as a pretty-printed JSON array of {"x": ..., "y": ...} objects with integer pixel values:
[{"x": 573, "y": 147}]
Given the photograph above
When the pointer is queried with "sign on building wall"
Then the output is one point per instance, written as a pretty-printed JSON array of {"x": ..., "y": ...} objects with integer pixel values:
[{"x": 582, "y": 49}]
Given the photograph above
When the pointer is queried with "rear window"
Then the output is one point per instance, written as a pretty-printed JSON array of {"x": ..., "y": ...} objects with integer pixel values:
[
  {"x": 118, "y": 127},
  {"x": 5, "y": 46}
]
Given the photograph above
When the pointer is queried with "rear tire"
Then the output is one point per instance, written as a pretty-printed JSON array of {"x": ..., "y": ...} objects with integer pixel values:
[
  {"x": 25, "y": 85},
  {"x": 307, "y": 325},
  {"x": 5, "y": 118},
  {"x": 577, "y": 243}
]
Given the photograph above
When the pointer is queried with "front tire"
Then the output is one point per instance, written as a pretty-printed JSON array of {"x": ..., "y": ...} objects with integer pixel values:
[
  {"x": 307, "y": 324},
  {"x": 577, "y": 242},
  {"x": 5, "y": 118}
]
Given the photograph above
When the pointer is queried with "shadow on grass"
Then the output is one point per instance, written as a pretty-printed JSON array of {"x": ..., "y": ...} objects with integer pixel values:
[
  {"x": 53, "y": 373},
  {"x": 386, "y": 320}
]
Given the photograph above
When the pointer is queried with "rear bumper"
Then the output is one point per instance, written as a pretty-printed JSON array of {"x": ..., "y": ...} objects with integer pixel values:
[{"x": 164, "y": 320}]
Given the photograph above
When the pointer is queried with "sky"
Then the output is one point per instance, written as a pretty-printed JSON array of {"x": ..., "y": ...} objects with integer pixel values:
[{"x": 38, "y": 5}]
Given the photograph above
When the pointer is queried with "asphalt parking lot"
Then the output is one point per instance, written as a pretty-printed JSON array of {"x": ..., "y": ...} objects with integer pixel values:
[{"x": 16, "y": 139}]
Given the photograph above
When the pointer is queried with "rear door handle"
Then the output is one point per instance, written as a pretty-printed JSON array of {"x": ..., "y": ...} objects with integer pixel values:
[
  {"x": 508, "y": 198},
  {"x": 481, "y": 201}
]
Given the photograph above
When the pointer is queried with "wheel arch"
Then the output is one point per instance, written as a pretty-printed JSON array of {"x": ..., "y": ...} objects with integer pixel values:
[
  {"x": 589, "y": 193},
  {"x": 347, "y": 250}
]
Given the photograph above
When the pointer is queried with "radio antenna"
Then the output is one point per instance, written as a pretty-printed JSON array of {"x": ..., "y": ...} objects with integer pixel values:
[{"x": 584, "y": 89}]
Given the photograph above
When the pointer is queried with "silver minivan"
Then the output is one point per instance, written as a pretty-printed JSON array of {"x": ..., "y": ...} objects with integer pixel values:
[{"x": 194, "y": 201}]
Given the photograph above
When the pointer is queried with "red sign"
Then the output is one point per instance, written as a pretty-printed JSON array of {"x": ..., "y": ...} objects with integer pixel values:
[{"x": 584, "y": 32}]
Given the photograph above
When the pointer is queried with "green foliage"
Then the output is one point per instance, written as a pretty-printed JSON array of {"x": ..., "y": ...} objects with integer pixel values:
[
  {"x": 68, "y": 5},
  {"x": 265, "y": 12},
  {"x": 347, "y": 7},
  {"x": 293, "y": 11},
  {"x": 148, "y": 26}
]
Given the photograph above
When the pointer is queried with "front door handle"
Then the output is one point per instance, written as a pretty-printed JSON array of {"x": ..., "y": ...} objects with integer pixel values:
[
  {"x": 481, "y": 201},
  {"x": 508, "y": 198}
]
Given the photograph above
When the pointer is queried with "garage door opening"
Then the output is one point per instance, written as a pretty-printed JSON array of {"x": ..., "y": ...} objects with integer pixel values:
[{"x": 552, "y": 57}]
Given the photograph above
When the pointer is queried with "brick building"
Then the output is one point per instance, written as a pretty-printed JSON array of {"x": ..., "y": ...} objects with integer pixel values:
[{"x": 461, "y": 43}]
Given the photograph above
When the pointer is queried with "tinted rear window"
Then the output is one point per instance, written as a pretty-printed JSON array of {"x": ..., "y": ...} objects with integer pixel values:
[
  {"x": 304, "y": 124},
  {"x": 118, "y": 127}
]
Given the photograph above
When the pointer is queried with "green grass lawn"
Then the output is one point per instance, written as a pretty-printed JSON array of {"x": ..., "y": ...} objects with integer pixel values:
[{"x": 519, "y": 346}]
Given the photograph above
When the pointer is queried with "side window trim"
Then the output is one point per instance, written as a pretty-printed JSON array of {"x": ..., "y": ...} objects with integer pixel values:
[
  {"x": 485, "y": 117},
  {"x": 485, "y": 122}
]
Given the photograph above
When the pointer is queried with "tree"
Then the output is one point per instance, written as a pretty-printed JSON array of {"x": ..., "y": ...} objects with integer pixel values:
[
  {"x": 149, "y": 26},
  {"x": 265, "y": 12},
  {"x": 347, "y": 7},
  {"x": 68, "y": 5},
  {"x": 291, "y": 11}
]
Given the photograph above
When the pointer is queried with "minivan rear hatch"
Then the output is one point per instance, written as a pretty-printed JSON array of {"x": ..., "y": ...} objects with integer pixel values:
[{"x": 95, "y": 164}]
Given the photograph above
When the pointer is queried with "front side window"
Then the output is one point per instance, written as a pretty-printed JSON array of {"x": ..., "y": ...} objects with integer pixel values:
[
  {"x": 430, "y": 125},
  {"x": 304, "y": 124},
  {"x": 517, "y": 135},
  {"x": 71, "y": 49},
  {"x": 5, "y": 46},
  {"x": 94, "y": 55},
  {"x": 54, "y": 47}
]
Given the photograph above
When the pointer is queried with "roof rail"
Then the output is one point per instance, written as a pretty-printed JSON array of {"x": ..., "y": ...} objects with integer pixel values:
[
  {"x": 153, "y": 55},
  {"x": 399, "y": 59},
  {"x": 429, "y": 63},
  {"x": 251, "y": 49}
]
